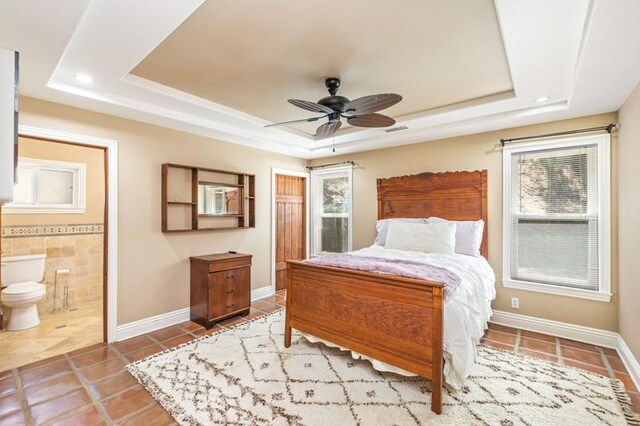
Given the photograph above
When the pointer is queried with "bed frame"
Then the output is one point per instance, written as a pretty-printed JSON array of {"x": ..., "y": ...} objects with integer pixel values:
[{"x": 393, "y": 319}]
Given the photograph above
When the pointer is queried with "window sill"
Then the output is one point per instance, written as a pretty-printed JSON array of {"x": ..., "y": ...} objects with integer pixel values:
[
  {"x": 557, "y": 290},
  {"x": 43, "y": 210}
]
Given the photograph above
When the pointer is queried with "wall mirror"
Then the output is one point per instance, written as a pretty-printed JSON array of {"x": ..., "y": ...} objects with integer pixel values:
[{"x": 219, "y": 199}]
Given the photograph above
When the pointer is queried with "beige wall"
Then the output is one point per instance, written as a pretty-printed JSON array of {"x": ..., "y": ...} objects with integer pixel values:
[
  {"x": 94, "y": 160},
  {"x": 629, "y": 220},
  {"x": 480, "y": 151},
  {"x": 153, "y": 268}
]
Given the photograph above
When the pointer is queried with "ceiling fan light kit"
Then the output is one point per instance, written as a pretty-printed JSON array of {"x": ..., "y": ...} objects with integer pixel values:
[{"x": 360, "y": 112}]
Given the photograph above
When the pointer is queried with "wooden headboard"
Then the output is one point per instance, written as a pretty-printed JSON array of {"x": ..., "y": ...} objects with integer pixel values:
[{"x": 449, "y": 195}]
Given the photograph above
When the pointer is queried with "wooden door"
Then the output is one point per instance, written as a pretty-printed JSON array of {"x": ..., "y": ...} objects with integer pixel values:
[{"x": 291, "y": 241}]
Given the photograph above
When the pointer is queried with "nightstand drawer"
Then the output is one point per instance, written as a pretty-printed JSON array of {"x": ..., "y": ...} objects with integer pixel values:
[{"x": 229, "y": 264}]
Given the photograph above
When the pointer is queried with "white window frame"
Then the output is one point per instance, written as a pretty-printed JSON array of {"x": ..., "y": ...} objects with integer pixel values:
[
  {"x": 78, "y": 205},
  {"x": 316, "y": 206},
  {"x": 603, "y": 145}
]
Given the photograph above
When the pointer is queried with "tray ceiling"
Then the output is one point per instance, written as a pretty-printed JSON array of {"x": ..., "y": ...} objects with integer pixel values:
[
  {"x": 433, "y": 53},
  {"x": 224, "y": 69}
]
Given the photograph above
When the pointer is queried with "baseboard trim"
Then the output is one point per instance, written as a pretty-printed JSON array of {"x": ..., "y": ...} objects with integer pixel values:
[
  {"x": 261, "y": 292},
  {"x": 565, "y": 330},
  {"x": 579, "y": 333},
  {"x": 156, "y": 322},
  {"x": 630, "y": 361}
]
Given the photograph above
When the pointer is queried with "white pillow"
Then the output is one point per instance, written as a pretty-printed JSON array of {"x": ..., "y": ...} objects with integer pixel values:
[
  {"x": 425, "y": 237},
  {"x": 382, "y": 226},
  {"x": 468, "y": 235}
]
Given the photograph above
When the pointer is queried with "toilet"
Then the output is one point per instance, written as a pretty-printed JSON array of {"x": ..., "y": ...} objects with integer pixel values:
[{"x": 21, "y": 289}]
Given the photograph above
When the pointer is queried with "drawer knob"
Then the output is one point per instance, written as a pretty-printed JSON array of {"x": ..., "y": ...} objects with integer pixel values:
[
  {"x": 231, "y": 275},
  {"x": 231, "y": 305},
  {"x": 231, "y": 290}
]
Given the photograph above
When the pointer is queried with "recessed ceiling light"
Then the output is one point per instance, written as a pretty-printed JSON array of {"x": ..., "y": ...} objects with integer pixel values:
[
  {"x": 84, "y": 78},
  {"x": 542, "y": 99}
]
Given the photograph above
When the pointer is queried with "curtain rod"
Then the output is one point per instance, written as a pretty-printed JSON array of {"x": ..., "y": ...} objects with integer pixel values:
[
  {"x": 324, "y": 166},
  {"x": 608, "y": 128}
]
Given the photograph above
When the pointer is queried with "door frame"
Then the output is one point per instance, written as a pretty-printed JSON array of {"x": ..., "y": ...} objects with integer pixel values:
[
  {"x": 286, "y": 172},
  {"x": 110, "y": 147}
]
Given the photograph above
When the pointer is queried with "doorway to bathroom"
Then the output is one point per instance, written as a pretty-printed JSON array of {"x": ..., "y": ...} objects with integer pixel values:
[{"x": 56, "y": 228}]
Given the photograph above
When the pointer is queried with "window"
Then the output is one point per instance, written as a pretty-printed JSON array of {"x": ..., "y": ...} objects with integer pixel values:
[
  {"x": 331, "y": 204},
  {"x": 556, "y": 218},
  {"x": 47, "y": 186}
]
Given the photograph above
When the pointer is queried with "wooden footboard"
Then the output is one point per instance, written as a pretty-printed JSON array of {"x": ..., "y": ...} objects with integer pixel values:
[{"x": 393, "y": 319}]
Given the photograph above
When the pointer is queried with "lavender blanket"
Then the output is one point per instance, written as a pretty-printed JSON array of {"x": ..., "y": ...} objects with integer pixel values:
[{"x": 401, "y": 267}]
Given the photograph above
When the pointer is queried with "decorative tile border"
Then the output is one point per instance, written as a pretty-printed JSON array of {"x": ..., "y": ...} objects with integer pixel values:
[{"x": 25, "y": 231}]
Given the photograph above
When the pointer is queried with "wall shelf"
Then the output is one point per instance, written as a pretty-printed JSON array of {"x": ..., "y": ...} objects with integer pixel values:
[{"x": 183, "y": 185}]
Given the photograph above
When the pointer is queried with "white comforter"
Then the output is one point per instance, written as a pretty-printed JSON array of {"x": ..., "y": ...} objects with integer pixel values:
[{"x": 466, "y": 311}]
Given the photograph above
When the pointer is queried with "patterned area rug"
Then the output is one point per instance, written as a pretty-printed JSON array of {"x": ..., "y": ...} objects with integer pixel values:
[{"x": 245, "y": 376}]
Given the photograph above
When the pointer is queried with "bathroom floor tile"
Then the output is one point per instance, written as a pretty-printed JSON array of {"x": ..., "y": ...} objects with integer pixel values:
[
  {"x": 59, "y": 333},
  {"x": 42, "y": 363}
]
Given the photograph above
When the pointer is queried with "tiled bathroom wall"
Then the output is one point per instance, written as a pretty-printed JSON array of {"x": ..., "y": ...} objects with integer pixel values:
[{"x": 77, "y": 247}]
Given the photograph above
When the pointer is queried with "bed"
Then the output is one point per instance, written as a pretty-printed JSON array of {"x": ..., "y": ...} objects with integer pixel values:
[{"x": 395, "y": 320}]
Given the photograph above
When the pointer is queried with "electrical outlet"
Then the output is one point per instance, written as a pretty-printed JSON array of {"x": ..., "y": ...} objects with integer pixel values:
[{"x": 515, "y": 303}]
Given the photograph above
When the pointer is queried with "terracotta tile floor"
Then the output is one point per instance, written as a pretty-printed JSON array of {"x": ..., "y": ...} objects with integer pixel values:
[
  {"x": 92, "y": 387},
  {"x": 603, "y": 361}
]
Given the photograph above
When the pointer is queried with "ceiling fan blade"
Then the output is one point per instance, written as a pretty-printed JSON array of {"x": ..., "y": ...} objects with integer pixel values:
[
  {"x": 310, "y": 106},
  {"x": 328, "y": 129},
  {"x": 304, "y": 120},
  {"x": 372, "y": 103},
  {"x": 371, "y": 120}
]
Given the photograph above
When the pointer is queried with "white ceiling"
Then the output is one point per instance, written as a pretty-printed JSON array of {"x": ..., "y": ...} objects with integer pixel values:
[{"x": 583, "y": 54}]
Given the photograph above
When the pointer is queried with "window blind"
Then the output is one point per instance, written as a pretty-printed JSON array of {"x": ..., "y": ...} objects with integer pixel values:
[{"x": 554, "y": 218}]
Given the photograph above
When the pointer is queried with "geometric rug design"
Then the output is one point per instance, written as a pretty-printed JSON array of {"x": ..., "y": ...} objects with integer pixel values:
[{"x": 245, "y": 376}]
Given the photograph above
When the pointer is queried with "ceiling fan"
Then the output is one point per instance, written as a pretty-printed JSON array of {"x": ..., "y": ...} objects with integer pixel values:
[{"x": 360, "y": 112}]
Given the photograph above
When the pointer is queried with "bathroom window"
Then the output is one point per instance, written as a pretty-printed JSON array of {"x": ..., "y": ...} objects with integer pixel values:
[{"x": 47, "y": 186}]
